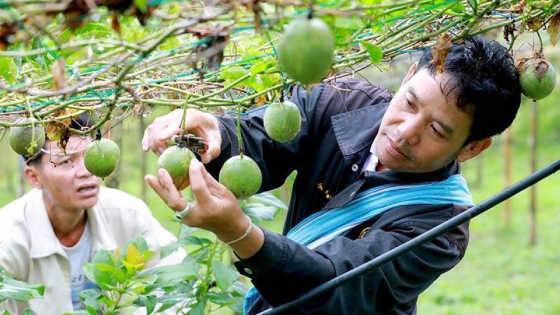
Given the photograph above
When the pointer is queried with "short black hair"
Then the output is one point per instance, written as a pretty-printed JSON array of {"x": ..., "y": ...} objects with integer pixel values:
[
  {"x": 486, "y": 81},
  {"x": 81, "y": 121}
]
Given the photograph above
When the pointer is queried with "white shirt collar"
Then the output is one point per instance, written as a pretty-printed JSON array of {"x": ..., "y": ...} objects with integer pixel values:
[{"x": 372, "y": 160}]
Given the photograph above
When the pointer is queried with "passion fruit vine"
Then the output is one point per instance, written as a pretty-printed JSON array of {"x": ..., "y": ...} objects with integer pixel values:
[
  {"x": 176, "y": 160},
  {"x": 241, "y": 175},
  {"x": 29, "y": 139},
  {"x": 282, "y": 121},
  {"x": 306, "y": 49},
  {"x": 537, "y": 76},
  {"x": 101, "y": 157}
]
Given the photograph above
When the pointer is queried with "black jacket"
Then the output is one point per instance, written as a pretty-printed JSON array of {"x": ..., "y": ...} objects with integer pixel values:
[{"x": 339, "y": 125}]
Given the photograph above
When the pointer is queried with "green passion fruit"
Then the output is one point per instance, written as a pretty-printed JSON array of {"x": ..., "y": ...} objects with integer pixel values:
[
  {"x": 537, "y": 77},
  {"x": 306, "y": 49},
  {"x": 241, "y": 175},
  {"x": 176, "y": 160},
  {"x": 282, "y": 121},
  {"x": 101, "y": 157},
  {"x": 29, "y": 139}
]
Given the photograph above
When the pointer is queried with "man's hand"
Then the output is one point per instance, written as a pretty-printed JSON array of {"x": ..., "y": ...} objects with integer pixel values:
[
  {"x": 201, "y": 124},
  {"x": 216, "y": 209}
]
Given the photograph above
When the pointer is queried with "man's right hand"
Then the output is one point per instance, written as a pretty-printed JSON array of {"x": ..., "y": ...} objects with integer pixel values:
[{"x": 199, "y": 123}]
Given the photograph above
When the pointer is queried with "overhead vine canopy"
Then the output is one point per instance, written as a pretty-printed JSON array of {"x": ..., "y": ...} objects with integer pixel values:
[{"x": 123, "y": 57}]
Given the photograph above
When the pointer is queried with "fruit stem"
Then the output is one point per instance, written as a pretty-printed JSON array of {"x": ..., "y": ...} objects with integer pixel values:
[
  {"x": 310, "y": 14},
  {"x": 239, "y": 139},
  {"x": 540, "y": 43},
  {"x": 183, "y": 121}
]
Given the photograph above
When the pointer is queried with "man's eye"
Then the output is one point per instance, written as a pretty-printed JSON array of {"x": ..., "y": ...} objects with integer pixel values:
[
  {"x": 437, "y": 132},
  {"x": 62, "y": 162},
  {"x": 410, "y": 104}
]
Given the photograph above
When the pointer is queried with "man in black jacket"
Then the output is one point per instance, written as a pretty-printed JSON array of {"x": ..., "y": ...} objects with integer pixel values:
[{"x": 355, "y": 138}]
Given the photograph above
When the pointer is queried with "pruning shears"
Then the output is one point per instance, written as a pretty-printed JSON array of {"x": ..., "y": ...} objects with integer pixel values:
[{"x": 192, "y": 142}]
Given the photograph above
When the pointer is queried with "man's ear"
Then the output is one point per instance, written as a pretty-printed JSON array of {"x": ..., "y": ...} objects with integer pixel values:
[
  {"x": 473, "y": 149},
  {"x": 31, "y": 174},
  {"x": 410, "y": 72}
]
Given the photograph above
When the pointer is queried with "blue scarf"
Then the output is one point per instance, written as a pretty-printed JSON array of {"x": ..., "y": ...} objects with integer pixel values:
[{"x": 325, "y": 225}]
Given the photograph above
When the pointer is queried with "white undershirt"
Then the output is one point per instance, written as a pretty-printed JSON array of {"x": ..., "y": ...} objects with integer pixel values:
[
  {"x": 372, "y": 160},
  {"x": 78, "y": 255}
]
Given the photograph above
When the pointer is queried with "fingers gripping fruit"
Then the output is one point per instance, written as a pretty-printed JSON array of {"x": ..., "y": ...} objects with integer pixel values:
[
  {"x": 29, "y": 139},
  {"x": 537, "y": 77},
  {"x": 176, "y": 160},
  {"x": 241, "y": 175},
  {"x": 306, "y": 49},
  {"x": 101, "y": 157},
  {"x": 282, "y": 121}
]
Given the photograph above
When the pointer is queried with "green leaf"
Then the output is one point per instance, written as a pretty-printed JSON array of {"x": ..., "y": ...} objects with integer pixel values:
[
  {"x": 93, "y": 299},
  {"x": 171, "y": 275},
  {"x": 93, "y": 30},
  {"x": 11, "y": 289},
  {"x": 120, "y": 276},
  {"x": 140, "y": 243},
  {"x": 8, "y": 69},
  {"x": 170, "y": 248},
  {"x": 269, "y": 199},
  {"x": 141, "y": 5},
  {"x": 106, "y": 279},
  {"x": 233, "y": 73},
  {"x": 240, "y": 288},
  {"x": 169, "y": 43},
  {"x": 262, "y": 66},
  {"x": 103, "y": 256},
  {"x": 28, "y": 312},
  {"x": 221, "y": 299},
  {"x": 252, "y": 54},
  {"x": 225, "y": 276},
  {"x": 262, "y": 82},
  {"x": 265, "y": 213},
  {"x": 198, "y": 308},
  {"x": 149, "y": 301},
  {"x": 375, "y": 53}
]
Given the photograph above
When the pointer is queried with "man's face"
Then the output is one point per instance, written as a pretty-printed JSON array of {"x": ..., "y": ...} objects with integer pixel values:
[
  {"x": 422, "y": 130},
  {"x": 62, "y": 176}
]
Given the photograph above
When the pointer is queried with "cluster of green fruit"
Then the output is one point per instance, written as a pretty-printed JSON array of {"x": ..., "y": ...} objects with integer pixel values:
[
  {"x": 305, "y": 53},
  {"x": 28, "y": 137},
  {"x": 240, "y": 174}
]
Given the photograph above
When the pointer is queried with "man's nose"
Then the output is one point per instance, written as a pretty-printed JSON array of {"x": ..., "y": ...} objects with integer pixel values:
[
  {"x": 410, "y": 130},
  {"x": 80, "y": 166}
]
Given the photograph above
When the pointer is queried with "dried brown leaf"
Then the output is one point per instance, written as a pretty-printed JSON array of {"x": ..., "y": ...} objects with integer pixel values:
[
  {"x": 115, "y": 23},
  {"x": 519, "y": 6},
  {"x": 55, "y": 130},
  {"x": 58, "y": 128},
  {"x": 552, "y": 29},
  {"x": 60, "y": 80},
  {"x": 440, "y": 51}
]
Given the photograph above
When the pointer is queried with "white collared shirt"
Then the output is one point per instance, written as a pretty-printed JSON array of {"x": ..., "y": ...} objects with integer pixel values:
[{"x": 372, "y": 160}]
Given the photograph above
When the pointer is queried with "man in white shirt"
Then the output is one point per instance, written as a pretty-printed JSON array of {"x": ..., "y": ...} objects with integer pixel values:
[{"x": 48, "y": 234}]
